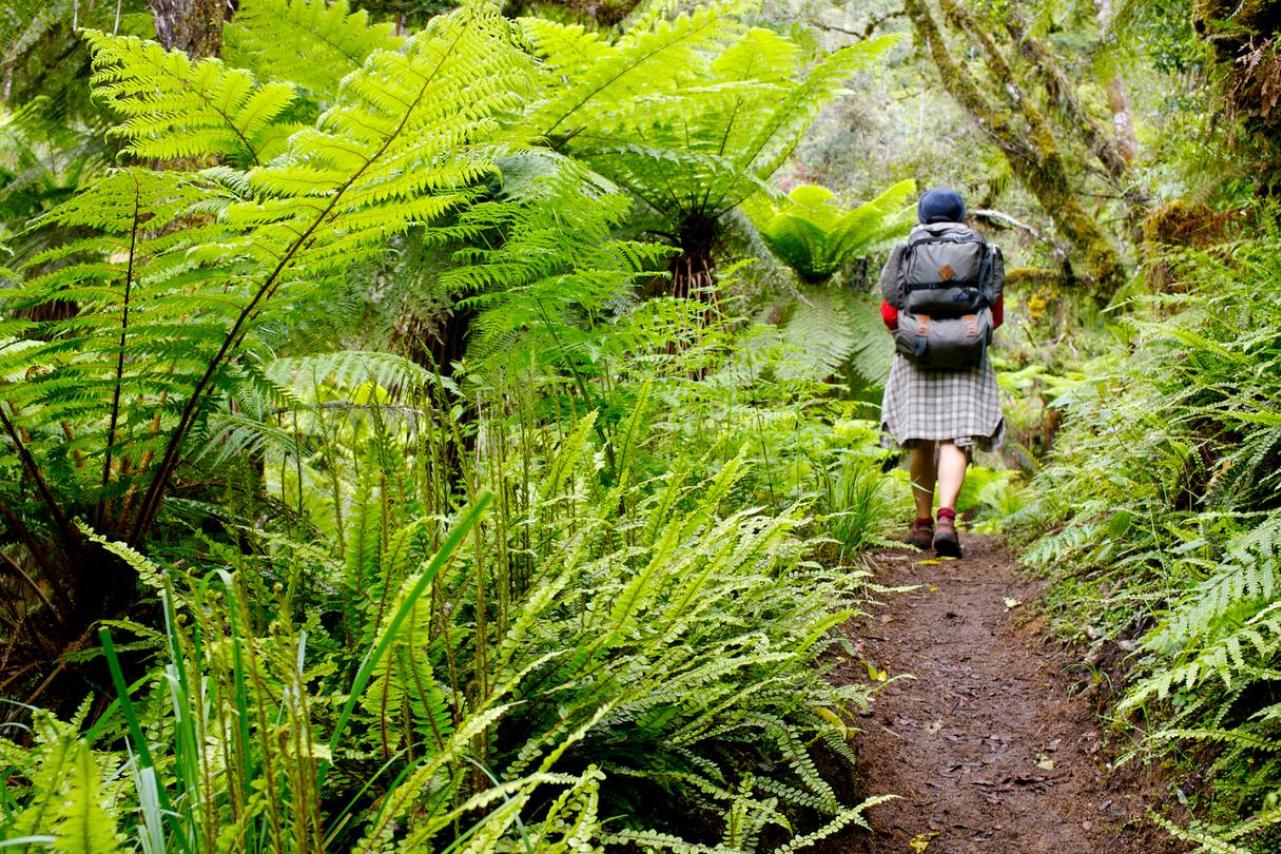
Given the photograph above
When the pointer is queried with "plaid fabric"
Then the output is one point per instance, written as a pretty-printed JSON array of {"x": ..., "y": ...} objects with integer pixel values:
[{"x": 963, "y": 406}]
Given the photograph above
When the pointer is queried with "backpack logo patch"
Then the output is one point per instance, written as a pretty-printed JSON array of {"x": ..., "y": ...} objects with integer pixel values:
[{"x": 946, "y": 273}]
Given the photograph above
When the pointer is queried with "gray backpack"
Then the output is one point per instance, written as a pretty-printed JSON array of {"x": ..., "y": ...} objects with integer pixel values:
[{"x": 945, "y": 287}]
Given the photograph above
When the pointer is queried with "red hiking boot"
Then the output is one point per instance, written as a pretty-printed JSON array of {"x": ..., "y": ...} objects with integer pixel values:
[
  {"x": 946, "y": 541},
  {"x": 921, "y": 534}
]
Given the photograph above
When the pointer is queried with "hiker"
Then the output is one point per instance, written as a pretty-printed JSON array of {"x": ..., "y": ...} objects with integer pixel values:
[{"x": 943, "y": 298}]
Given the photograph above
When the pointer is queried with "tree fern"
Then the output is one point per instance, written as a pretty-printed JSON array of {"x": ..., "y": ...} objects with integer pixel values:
[
  {"x": 555, "y": 264},
  {"x": 166, "y": 316},
  {"x": 174, "y": 108},
  {"x": 816, "y": 237},
  {"x": 689, "y": 115},
  {"x": 825, "y": 330},
  {"x": 350, "y": 660}
]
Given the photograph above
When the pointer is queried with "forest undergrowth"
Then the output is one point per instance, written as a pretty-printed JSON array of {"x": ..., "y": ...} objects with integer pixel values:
[
  {"x": 456, "y": 428},
  {"x": 1161, "y": 510},
  {"x": 286, "y": 569}
]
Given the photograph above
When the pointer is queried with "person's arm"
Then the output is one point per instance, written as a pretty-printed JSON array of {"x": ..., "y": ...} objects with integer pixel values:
[
  {"x": 998, "y": 287},
  {"x": 890, "y": 297},
  {"x": 889, "y": 314}
]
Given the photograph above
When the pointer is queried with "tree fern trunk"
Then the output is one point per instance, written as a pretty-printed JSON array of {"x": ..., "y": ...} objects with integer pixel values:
[
  {"x": 191, "y": 26},
  {"x": 694, "y": 269}
]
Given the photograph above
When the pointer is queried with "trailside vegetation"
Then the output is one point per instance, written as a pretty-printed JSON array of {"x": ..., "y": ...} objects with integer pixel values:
[
  {"x": 265, "y": 590},
  {"x": 454, "y": 427},
  {"x": 1157, "y": 514}
]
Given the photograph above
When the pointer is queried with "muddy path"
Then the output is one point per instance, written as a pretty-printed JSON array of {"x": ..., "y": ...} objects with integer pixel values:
[{"x": 985, "y": 744}]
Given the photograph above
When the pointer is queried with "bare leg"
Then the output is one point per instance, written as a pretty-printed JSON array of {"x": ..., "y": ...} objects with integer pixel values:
[
  {"x": 951, "y": 473},
  {"x": 920, "y": 464}
]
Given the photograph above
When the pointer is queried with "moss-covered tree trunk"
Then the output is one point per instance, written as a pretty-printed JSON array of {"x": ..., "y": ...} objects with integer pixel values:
[
  {"x": 1127, "y": 141},
  {"x": 1245, "y": 38},
  {"x": 1024, "y": 136},
  {"x": 191, "y": 26},
  {"x": 1074, "y": 120},
  {"x": 1062, "y": 96}
]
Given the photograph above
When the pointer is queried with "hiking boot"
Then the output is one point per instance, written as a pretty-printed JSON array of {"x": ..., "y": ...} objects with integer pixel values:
[
  {"x": 946, "y": 541},
  {"x": 921, "y": 534}
]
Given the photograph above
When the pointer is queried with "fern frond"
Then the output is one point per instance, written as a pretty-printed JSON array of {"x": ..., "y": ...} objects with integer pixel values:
[
  {"x": 174, "y": 108},
  {"x": 308, "y": 42},
  {"x": 816, "y": 237}
]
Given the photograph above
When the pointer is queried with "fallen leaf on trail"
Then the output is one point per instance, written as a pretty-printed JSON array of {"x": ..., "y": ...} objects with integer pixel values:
[
  {"x": 1011, "y": 603},
  {"x": 930, "y": 562},
  {"x": 1045, "y": 763},
  {"x": 875, "y": 674},
  {"x": 933, "y": 588},
  {"x": 920, "y": 842}
]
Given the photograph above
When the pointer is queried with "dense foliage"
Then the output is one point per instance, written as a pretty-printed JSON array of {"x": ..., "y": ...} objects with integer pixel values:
[
  {"x": 434, "y": 428},
  {"x": 1162, "y": 506},
  {"x": 286, "y": 596}
]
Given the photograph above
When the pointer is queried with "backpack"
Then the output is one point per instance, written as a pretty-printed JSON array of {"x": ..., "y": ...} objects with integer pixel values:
[{"x": 945, "y": 288}]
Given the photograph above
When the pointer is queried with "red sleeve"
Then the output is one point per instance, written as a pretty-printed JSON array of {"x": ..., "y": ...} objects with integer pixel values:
[
  {"x": 998, "y": 311},
  {"x": 889, "y": 314}
]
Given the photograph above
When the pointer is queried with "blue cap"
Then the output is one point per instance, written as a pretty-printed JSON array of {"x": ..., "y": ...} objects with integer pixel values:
[{"x": 940, "y": 205}]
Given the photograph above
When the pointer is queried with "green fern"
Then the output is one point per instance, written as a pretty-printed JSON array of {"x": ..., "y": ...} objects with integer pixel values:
[
  {"x": 307, "y": 42},
  {"x": 117, "y": 398},
  {"x": 1163, "y": 497},
  {"x": 691, "y": 115},
  {"x": 816, "y": 237},
  {"x": 173, "y": 108}
]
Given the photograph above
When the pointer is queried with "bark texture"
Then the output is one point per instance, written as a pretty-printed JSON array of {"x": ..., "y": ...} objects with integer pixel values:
[{"x": 191, "y": 26}]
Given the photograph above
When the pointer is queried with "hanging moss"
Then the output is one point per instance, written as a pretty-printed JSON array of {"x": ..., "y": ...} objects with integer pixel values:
[
  {"x": 1029, "y": 145},
  {"x": 1246, "y": 40}
]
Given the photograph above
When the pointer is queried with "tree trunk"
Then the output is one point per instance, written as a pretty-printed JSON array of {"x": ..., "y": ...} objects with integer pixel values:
[
  {"x": 694, "y": 269},
  {"x": 1127, "y": 142},
  {"x": 1075, "y": 119},
  {"x": 191, "y": 26},
  {"x": 1062, "y": 93},
  {"x": 1122, "y": 121},
  {"x": 1029, "y": 146}
]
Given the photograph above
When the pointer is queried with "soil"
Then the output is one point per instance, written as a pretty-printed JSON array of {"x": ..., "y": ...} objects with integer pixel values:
[{"x": 983, "y": 743}]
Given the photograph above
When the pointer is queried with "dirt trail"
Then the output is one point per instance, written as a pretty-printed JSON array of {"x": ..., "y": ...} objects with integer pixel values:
[{"x": 984, "y": 744}]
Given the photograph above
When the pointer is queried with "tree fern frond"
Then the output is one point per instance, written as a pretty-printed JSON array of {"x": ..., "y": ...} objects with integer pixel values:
[
  {"x": 308, "y": 42},
  {"x": 174, "y": 108},
  {"x": 816, "y": 237}
]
